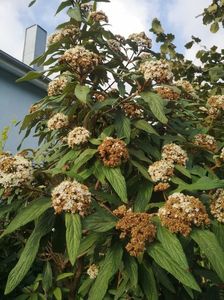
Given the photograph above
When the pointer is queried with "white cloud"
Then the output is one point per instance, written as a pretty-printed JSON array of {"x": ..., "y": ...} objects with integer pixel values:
[
  {"x": 130, "y": 16},
  {"x": 15, "y": 16},
  {"x": 12, "y": 29},
  {"x": 182, "y": 17}
]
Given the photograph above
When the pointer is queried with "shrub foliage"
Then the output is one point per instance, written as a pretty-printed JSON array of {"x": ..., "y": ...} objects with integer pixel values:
[{"x": 124, "y": 197}]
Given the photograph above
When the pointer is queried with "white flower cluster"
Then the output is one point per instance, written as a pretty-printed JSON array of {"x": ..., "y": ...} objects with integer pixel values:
[
  {"x": 181, "y": 211},
  {"x": 57, "y": 86},
  {"x": 71, "y": 196},
  {"x": 93, "y": 271},
  {"x": 205, "y": 141},
  {"x": 174, "y": 153},
  {"x": 58, "y": 121},
  {"x": 80, "y": 60},
  {"x": 141, "y": 39},
  {"x": 99, "y": 16},
  {"x": 86, "y": 7},
  {"x": 161, "y": 170},
  {"x": 15, "y": 171},
  {"x": 79, "y": 135},
  {"x": 71, "y": 31},
  {"x": 217, "y": 205},
  {"x": 186, "y": 85},
  {"x": 158, "y": 70},
  {"x": 222, "y": 154}
]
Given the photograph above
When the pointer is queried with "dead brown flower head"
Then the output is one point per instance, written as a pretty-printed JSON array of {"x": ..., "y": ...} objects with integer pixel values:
[
  {"x": 139, "y": 229},
  {"x": 113, "y": 152}
]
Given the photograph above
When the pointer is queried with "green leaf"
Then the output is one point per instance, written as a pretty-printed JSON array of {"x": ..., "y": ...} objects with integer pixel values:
[
  {"x": 145, "y": 126},
  {"x": 75, "y": 14},
  {"x": 83, "y": 158},
  {"x": 107, "y": 270},
  {"x": 172, "y": 245},
  {"x": 87, "y": 242},
  {"x": 30, "y": 76},
  {"x": 28, "y": 214},
  {"x": 143, "y": 197},
  {"x": 57, "y": 293},
  {"x": 32, "y": 3},
  {"x": 131, "y": 267},
  {"x": 156, "y": 26},
  {"x": 183, "y": 170},
  {"x": 216, "y": 73},
  {"x": 121, "y": 88},
  {"x": 71, "y": 155},
  {"x": 189, "y": 45},
  {"x": 117, "y": 181},
  {"x": 123, "y": 127},
  {"x": 82, "y": 92},
  {"x": 47, "y": 277},
  {"x": 141, "y": 169},
  {"x": 4, "y": 209},
  {"x": 214, "y": 27},
  {"x": 209, "y": 245},
  {"x": 43, "y": 226},
  {"x": 64, "y": 276},
  {"x": 163, "y": 278},
  {"x": 63, "y": 5},
  {"x": 73, "y": 235},
  {"x": 163, "y": 259},
  {"x": 100, "y": 221},
  {"x": 148, "y": 283},
  {"x": 156, "y": 104},
  {"x": 218, "y": 230}
]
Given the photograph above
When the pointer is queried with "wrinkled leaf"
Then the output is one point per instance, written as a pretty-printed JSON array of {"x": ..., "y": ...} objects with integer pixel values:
[{"x": 73, "y": 235}]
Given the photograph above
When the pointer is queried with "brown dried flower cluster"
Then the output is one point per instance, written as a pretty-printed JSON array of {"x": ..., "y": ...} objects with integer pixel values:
[
  {"x": 70, "y": 31},
  {"x": 93, "y": 271},
  {"x": 33, "y": 108},
  {"x": 158, "y": 70},
  {"x": 58, "y": 121},
  {"x": 166, "y": 92},
  {"x": 57, "y": 86},
  {"x": 99, "y": 16},
  {"x": 181, "y": 212},
  {"x": 78, "y": 136},
  {"x": 216, "y": 101},
  {"x": 15, "y": 171},
  {"x": 71, "y": 196},
  {"x": 80, "y": 60},
  {"x": 114, "y": 45},
  {"x": 161, "y": 171},
  {"x": 141, "y": 39},
  {"x": 113, "y": 152},
  {"x": 205, "y": 141},
  {"x": 161, "y": 186},
  {"x": 175, "y": 154},
  {"x": 217, "y": 205},
  {"x": 133, "y": 110},
  {"x": 100, "y": 97},
  {"x": 215, "y": 105},
  {"x": 186, "y": 86},
  {"x": 137, "y": 227}
]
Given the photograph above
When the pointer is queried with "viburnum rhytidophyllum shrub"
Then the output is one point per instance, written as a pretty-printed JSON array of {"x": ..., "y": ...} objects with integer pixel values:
[{"x": 123, "y": 198}]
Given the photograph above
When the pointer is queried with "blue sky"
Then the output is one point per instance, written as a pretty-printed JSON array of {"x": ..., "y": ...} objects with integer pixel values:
[{"x": 126, "y": 16}]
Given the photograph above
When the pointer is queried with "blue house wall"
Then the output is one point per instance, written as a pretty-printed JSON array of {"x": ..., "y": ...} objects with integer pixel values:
[{"x": 15, "y": 101}]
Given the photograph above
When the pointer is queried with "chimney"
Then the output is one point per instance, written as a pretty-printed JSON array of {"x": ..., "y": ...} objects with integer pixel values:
[{"x": 35, "y": 45}]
